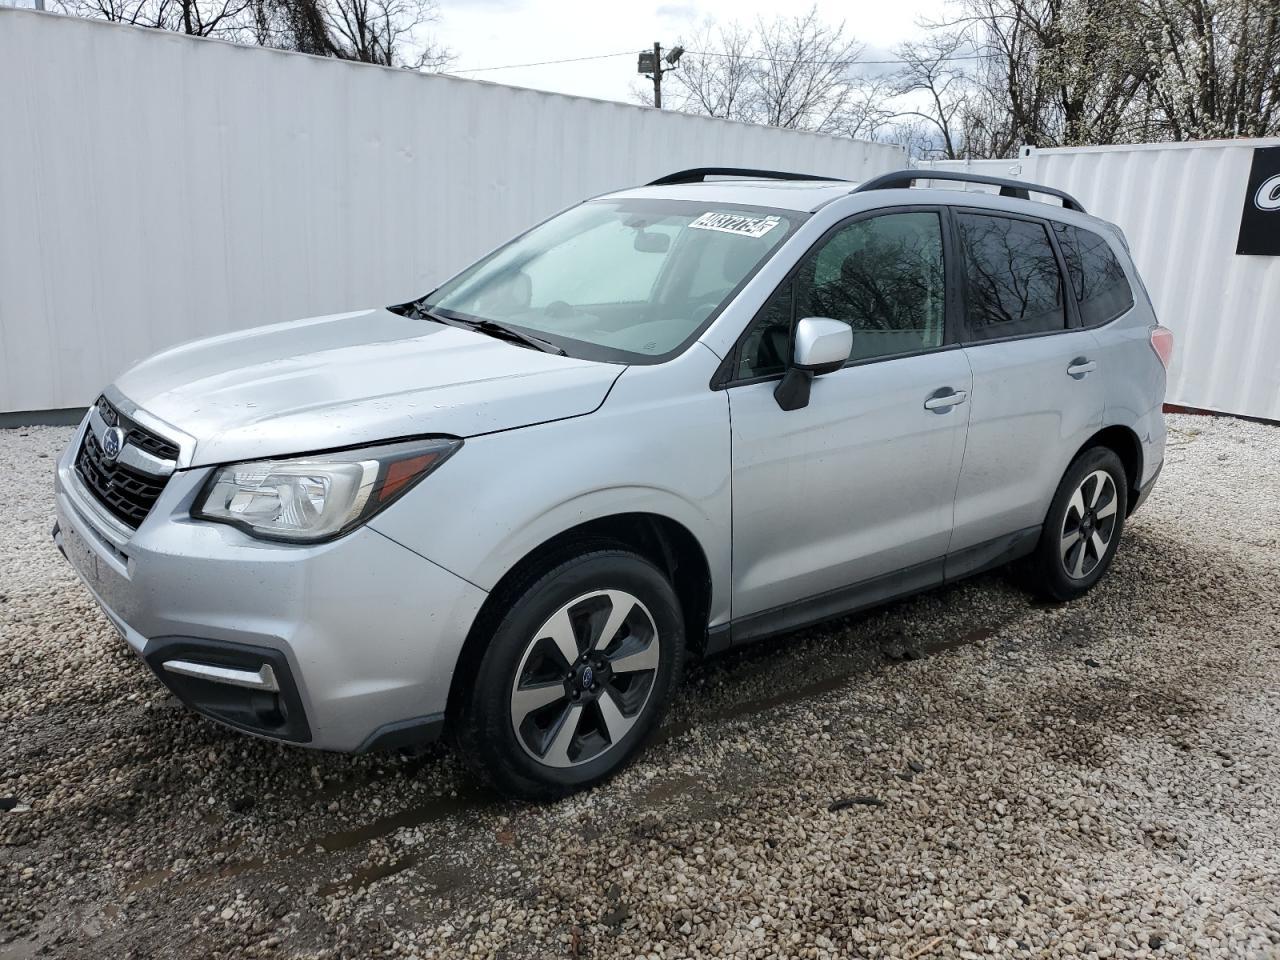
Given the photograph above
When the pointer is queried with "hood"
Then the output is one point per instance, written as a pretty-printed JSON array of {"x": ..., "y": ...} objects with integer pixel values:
[{"x": 355, "y": 378}]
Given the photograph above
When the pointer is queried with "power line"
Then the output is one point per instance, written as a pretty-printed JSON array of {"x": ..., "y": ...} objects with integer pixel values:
[
  {"x": 1253, "y": 16},
  {"x": 853, "y": 62},
  {"x": 545, "y": 63},
  {"x": 850, "y": 61}
]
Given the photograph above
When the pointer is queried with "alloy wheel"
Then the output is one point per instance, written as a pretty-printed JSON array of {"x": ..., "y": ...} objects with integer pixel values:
[
  {"x": 585, "y": 678},
  {"x": 1089, "y": 524}
]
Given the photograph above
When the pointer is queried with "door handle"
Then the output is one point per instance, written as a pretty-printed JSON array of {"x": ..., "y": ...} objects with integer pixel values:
[
  {"x": 1080, "y": 366},
  {"x": 945, "y": 400}
]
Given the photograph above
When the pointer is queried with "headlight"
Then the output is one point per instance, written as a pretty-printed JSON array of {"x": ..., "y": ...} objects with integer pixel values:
[{"x": 318, "y": 497}]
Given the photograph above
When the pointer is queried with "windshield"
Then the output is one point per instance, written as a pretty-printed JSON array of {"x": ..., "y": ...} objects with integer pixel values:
[{"x": 629, "y": 280}]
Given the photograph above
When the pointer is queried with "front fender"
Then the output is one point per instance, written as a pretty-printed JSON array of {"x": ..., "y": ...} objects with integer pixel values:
[
  {"x": 608, "y": 502},
  {"x": 658, "y": 445}
]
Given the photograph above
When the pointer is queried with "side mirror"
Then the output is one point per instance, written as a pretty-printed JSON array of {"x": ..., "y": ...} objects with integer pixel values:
[{"x": 822, "y": 345}]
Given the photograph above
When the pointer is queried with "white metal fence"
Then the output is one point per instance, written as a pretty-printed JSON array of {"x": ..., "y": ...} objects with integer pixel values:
[
  {"x": 156, "y": 188},
  {"x": 1179, "y": 206}
]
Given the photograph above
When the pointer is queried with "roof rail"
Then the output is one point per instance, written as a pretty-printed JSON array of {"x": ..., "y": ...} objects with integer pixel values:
[
  {"x": 699, "y": 174},
  {"x": 1008, "y": 188}
]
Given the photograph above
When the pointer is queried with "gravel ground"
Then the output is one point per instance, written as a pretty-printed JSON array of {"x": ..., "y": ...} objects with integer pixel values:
[{"x": 964, "y": 774}]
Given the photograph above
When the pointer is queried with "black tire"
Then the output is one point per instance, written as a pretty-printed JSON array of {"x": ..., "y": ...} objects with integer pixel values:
[
  {"x": 1061, "y": 576},
  {"x": 484, "y": 730}
]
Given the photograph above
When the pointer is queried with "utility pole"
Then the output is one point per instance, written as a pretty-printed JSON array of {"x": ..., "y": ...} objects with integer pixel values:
[
  {"x": 657, "y": 75},
  {"x": 650, "y": 64}
]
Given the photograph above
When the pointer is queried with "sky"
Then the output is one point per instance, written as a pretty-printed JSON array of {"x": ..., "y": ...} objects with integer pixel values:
[
  {"x": 485, "y": 33},
  {"x": 491, "y": 33}
]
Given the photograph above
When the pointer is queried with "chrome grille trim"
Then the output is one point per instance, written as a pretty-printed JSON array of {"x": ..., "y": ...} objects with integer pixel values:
[
  {"x": 127, "y": 486},
  {"x": 131, "y": 455}
]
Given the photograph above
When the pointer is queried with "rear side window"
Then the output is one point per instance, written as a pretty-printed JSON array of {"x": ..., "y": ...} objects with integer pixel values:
[
  {"x": 1097, "y": 279},
  {"x": 1013, "y": 284}
]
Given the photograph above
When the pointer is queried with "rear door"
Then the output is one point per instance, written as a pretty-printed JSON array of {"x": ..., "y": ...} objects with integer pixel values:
[
  {"x": 851, "y": 494},
  {"x": 1132, "y": 375},
  {"x": 1037, "y": 394}
]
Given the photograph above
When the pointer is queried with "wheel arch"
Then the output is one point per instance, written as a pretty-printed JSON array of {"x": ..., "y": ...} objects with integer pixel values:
[
  {"x": 1126, "y": 445},
  {"x": 666, "y": 543}
]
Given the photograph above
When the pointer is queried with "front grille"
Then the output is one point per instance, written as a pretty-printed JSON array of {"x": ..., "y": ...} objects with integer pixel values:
[
  {"x": 135, "y": 435},
  {"x": 152, "y": 444},
  {"x": 128, "y": 494}
]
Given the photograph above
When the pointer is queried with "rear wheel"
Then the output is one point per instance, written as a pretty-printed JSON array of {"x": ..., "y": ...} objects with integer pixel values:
[
  {"x": 577, "y": 675},
  {"x": 1083, "y": 527}
]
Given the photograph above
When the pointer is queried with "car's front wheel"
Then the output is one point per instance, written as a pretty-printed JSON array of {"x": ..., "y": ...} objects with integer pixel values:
[
  {"x": 1083, "y": 526},
  {"x": 576, "y": 676}
]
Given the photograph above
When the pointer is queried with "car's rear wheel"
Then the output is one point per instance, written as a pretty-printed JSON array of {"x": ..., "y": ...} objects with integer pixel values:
[
  {"x": 577, "y": 675},
  {"x": 1083, "y": 527}
]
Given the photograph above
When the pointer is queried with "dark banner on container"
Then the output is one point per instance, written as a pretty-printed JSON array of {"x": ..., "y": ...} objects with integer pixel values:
[{"x": 1260, "y": 220}]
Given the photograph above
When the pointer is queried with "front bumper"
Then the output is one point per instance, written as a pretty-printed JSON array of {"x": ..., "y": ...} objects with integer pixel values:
[{"x": 360, "y": 635}]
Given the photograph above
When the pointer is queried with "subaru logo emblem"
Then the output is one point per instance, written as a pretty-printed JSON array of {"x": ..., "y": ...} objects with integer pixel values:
[
  {"x": 587, "y": 677},
  {"x": 112, "y": 442}
]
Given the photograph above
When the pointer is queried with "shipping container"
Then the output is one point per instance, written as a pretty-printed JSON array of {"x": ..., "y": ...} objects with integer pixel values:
[
  {"x": 1180, "y": 207},
  {"x": 157, "y": 187}
]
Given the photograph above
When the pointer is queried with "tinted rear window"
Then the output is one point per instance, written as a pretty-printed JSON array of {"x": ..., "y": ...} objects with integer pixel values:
[
  {"x": 1012, "y": 280},
  {"x": 1097, "y": 278}
]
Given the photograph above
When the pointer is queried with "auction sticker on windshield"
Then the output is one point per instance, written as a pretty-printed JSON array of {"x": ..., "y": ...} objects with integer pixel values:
[{"x": 736, "y": 223}]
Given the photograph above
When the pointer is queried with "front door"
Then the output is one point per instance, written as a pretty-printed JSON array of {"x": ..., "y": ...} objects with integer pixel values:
[{"x": 851, "y": 496}]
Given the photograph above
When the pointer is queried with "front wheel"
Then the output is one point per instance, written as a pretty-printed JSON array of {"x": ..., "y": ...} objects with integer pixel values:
[
  {"x": 576, "y": 676},
  {"x": 1083, "y": 526}
]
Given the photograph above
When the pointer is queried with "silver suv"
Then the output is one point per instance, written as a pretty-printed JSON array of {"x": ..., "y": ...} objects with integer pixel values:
[{"x": 669, "y": 420}]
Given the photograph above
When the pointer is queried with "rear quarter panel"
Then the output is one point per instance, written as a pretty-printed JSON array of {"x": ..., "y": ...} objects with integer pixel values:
[{"x": 1134, "y": 379}]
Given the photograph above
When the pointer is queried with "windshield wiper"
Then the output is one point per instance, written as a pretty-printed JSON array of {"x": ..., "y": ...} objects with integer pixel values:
[
  {"x": 495, "y": 329},
  {"x": 491, "y": 328}
]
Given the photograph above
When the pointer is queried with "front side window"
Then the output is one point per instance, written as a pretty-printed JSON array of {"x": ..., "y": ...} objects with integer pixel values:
[
  {"x": 1097, "y": 278},
  {"x": 618, "y": 279},
  {"x": 883, "y": 276},
  {"x": 1013, "y": 284}
]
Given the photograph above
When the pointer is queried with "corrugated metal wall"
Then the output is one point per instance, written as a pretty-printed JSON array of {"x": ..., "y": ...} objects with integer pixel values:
[
  {"x": 157, "y": 188},
  {"x": 1179, "y": 205}
]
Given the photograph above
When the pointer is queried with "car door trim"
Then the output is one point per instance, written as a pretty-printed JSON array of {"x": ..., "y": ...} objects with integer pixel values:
[
  {"x": 837, "y": 602},
  {"x": 875, "y": 591},
  {"x": 991, "y": 553}
]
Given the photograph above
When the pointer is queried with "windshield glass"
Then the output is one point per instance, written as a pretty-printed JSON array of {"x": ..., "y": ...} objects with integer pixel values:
[{"x": 618, "y": 279}]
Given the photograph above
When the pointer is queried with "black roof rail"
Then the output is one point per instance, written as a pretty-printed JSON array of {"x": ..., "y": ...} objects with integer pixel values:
[
  {"x": 1008, "y": 188},
  {"x": 699, "y": 174}
]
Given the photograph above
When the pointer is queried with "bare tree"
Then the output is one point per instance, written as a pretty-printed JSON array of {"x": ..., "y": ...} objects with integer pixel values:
[
  {"x": 389, "y": 32},
  {"x": 794, "y": 72},
  {"x": 1071, "y": 72},
  {"x": 868, "y": 112},
  {"x": 383, "y": 31},
  {"x": 291, "y": 25},
  {"x": 805, "y": 73},
  {"x": 200, "y": 18},
  {"x": 932, "y": 69},
  {"x": 1006, "y": 36},
  {"x": 142, "y": 13},
  {"x": 715, "y": 76}
]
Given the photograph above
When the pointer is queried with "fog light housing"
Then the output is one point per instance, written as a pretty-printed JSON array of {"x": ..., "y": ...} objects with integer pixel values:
[{"x": 246, "y": 687}]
